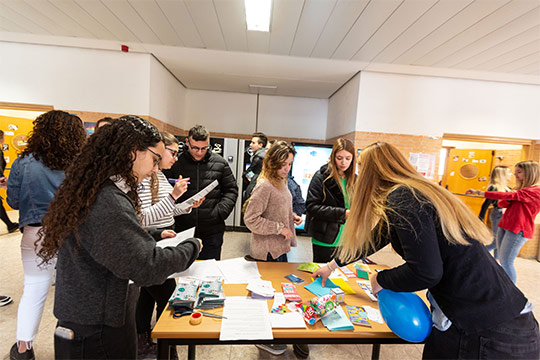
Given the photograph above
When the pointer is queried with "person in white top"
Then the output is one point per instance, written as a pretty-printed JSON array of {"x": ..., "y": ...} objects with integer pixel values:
[{"x": 158, "y": 209}]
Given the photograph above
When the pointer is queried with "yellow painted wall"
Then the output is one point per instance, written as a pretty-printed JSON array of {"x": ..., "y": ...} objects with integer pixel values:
[{"x": 16, "y": 131}]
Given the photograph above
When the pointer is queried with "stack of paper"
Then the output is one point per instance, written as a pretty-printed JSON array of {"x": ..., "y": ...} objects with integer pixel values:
[{"x": 261, "y": 288}]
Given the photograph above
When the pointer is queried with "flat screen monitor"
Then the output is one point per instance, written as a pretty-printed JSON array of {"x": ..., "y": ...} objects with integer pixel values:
[{"x": 309, "y": 158}]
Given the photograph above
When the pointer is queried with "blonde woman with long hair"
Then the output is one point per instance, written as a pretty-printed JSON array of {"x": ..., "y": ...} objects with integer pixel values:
[
  {"x": 498, "y": 180},
  {"x": 516, "y": 226},
  {"x": 477, "y": 310},
  {"x": 327, "y": 200}
]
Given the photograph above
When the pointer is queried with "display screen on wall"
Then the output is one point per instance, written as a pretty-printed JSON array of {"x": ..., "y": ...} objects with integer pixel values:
[{"x": 309, "y": 158}]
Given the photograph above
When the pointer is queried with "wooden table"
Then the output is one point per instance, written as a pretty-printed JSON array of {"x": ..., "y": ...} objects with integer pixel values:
[{"x": 170, "y": 332}]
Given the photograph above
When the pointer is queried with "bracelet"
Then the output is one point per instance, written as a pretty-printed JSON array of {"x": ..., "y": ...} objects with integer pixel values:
[{"x": 330, "y": 267}]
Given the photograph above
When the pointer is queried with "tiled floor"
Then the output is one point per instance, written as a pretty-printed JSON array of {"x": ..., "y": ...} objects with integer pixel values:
[{"x": 236, "y": 244}]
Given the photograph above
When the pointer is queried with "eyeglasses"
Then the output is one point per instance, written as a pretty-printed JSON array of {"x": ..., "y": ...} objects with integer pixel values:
[
  {"x": 174, "y": 153},
  {"x": 156, "y": 160},
  {"x": 196, "y": 148}
]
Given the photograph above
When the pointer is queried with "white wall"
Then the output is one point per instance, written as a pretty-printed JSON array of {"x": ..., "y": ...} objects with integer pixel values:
[
  {"x": 167, "y": 96},
  {"x": 343, "y": 108},
  {"x": 420, "y": 105},
  {"x": 76, "y": 79},
  {"x": 219, "y": 111},
  {"x": 293, "y": 116}
]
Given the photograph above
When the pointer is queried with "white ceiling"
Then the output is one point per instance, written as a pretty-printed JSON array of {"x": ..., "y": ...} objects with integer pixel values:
[{"x": 313, "y": 47}]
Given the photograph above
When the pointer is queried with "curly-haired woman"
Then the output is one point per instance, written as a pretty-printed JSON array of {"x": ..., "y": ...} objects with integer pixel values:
[
  {"x": 93, "y": 226},
  {"x": 35, "y": 175}
]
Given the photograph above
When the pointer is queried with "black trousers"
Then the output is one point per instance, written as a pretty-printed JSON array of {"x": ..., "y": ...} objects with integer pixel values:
[
  {"x": 322, "y": 254},
  {"x": 211, "y": 247},
  {"x": 152, "y": 295},
  {"x": 99, "y": 341},
  {"x": 515, "y": 339}
]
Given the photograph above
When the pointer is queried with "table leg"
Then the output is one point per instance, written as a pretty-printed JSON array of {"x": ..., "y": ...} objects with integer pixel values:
[
  {"x": 162, "y": 349},
  {"x": 375, "y": 351},
  {"x": 191, "y": 352}
]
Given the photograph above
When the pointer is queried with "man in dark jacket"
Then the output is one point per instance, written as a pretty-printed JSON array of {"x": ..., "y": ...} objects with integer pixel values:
[
  {"x": 202, "y": 167},
  {"x": 258, "y": 149}
]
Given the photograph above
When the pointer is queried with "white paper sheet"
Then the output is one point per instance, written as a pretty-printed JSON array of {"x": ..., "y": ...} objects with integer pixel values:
[
  {"x": 180, "y": 237},
  {"x": 290, "y": 320},
  {"x": 200, "y": 270},
  {"x": 246, "y": 319},
  {"x": 238, "y": 270},
  {"x": 198, "y": 196},
  {"x": 373, "y": 314}
]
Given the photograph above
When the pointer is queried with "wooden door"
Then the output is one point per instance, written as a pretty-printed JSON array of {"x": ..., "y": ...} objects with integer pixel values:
[{"x": 468, "y": 168}]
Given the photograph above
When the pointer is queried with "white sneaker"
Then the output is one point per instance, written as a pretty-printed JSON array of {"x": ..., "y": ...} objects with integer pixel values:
[
  {"x": 4, "y": 300},
  {"x": 274, "y": 349}
]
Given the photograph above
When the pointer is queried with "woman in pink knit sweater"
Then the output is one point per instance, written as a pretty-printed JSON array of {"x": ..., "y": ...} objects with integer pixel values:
[{"x": 269, "y": 215}]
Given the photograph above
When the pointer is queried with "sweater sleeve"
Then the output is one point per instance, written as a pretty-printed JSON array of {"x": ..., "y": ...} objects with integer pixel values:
[
  {"x": 253, "y": 217},
  {"x": 413, "y": 223},
  {"x": 521, "y": 195},
  {"x": 158, "y": 211},
  {"x": 113, "y": 237}
]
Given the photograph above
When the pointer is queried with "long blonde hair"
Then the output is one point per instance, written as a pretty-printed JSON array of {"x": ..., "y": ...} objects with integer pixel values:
[
  {"x": 498, "y": 178},
  {"x": 531, "y": 174},
  {"x": 382, "y": 169},
  {"x": 168, "y": 140},
  {"x": 274, "y": 160},
  {"x": 347, "y": 145}
]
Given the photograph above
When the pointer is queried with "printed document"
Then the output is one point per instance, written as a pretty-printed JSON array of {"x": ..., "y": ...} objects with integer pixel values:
[
  {"x": 246, "y": 319},
  {"x": 198, "y": 196}
]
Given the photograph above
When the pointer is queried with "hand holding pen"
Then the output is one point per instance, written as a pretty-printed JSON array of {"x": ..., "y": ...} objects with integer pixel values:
[{"x": 180, "y": 187}]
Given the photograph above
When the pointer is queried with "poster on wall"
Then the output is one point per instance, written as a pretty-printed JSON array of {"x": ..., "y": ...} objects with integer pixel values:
[{"x": 424, "y": 164}]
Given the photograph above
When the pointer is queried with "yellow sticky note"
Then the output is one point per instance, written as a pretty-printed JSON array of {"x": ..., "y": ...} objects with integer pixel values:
[{"x": 344, "y": 286}]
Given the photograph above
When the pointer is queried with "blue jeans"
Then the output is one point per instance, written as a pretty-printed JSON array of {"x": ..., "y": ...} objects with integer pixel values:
[
  {"x": 508, "y": 246},
  {"x": 515, "y": 339},
  {"x": 494, "y": 217}
]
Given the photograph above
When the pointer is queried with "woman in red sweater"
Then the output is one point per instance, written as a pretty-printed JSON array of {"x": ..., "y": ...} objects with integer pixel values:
[{"x": 522, "y": 206}]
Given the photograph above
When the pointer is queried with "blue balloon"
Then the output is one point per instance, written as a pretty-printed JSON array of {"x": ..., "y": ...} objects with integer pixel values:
[{"x": 405, "y": 314}]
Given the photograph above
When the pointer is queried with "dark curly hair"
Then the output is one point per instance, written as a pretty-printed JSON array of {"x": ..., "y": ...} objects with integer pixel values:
[
  {"x": 55, "y": 140},
  {"x": 108, "y": 153}
]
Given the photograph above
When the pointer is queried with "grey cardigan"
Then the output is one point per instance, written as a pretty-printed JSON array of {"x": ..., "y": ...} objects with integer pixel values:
[{"x": 92, "y": 278}]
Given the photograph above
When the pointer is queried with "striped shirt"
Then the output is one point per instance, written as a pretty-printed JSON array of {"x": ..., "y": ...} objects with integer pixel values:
[{"x": 162, "y": 213}]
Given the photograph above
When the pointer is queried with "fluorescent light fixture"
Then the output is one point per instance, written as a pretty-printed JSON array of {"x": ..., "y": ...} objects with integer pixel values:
[{"x": 258, "y": 14}]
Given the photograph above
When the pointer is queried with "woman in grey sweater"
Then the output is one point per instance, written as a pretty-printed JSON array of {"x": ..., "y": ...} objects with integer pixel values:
[{"x": 93, "y": 226}]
